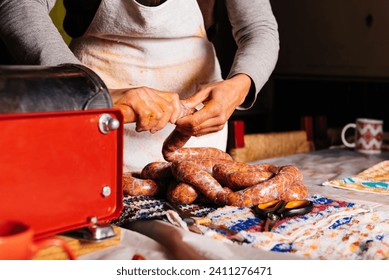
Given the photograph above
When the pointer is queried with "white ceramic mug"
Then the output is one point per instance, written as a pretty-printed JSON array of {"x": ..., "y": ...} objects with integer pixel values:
[{"x": 368, "y": 135}]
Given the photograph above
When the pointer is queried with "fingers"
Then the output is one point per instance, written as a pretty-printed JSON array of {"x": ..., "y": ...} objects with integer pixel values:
[
  {"x": 174, "y": 104},
  {"x": 151, "y": 109},
  {"x": 211, "y": 118},
  {"x": 201, "y": 131},
  {"x": 152, "y": 119},
  {"x": 156, "y": 109},
  {"x": 220, "y": 100},
  {"x": 197, "y": 99},
  {"x": 128, "y": 114}
]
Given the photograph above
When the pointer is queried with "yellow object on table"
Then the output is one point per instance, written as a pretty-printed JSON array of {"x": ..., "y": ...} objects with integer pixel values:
[{"x": 78, "y": 247}]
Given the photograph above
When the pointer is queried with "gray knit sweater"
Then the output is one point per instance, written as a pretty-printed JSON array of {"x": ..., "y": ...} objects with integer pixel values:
[{"x": 31, "y": 38}]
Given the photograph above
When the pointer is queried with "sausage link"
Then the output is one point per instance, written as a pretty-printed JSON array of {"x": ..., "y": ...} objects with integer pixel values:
[
  {"x": 193, "y": 153},
  {"x": 134, "y": 186},
  {"x": 182, "y": 193},
  {"x": 296, "y": 191},
  {"x": 157, "y": 170},
  {"x": 239, "y": 175},
  {"x": 266, "y": 191},
  {"x": 176, "y": 140},
  {"x": 207, "y": 164},
  {"x": 190, "y": 173},
  {"x": 211, "y": 174},
  {"x": 172, "y": 149}
]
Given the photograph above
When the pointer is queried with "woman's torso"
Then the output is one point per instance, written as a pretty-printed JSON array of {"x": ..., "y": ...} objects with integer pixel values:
[
  {"x": 131, "y": 45},
  {"x": 80, "y": 13}
]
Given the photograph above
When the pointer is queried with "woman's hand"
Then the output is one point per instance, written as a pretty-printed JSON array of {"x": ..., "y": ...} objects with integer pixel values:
[
  {"x": 151, "y": 109},
  {"x": 220, "y": 99}
]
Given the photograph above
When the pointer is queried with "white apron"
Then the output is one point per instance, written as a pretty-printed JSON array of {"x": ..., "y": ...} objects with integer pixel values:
[{"x": 163, "y": 47}]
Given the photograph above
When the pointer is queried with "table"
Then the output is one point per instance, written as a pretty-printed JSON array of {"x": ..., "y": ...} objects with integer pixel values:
[
  {"x": 319, "y": 166},
  {"x": 79, "y": 247},
  {"x": 159, "y": 240}
]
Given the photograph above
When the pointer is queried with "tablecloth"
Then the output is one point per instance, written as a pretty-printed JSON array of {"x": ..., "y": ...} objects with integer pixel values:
[{"x": 157, "y": 239}]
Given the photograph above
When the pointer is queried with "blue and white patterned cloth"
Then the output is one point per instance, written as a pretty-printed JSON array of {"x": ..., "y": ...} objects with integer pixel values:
[{"x": 333, "y": 230}]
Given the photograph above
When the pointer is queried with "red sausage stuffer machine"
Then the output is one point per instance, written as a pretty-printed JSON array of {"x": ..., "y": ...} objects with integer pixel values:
[{"x": 60, "y": 151}]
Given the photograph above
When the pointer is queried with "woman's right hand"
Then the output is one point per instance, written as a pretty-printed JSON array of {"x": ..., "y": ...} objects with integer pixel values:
[{"x": 151, "y": 109}]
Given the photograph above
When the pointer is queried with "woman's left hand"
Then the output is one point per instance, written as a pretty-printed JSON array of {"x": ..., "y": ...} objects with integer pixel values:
[{"x": 220, "y": 100}]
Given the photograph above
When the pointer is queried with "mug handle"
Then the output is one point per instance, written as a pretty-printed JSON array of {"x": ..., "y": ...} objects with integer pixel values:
[
  {"x": 53, "y": 241},
  {"x": 343, "y": 135}
]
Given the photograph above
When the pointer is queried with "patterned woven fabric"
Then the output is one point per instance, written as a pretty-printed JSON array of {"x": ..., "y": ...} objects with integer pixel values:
[
  {"x": 146, "y": 208},
  {"x": 374, "y": 179},
  {"x": 333, "y": 230}
]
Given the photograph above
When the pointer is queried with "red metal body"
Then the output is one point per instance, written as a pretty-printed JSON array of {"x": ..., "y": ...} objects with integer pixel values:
[{"x": 54, "y": 167}]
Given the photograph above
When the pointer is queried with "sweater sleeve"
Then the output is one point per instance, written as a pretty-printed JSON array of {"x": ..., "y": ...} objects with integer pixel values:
[
  {"x": 255, "y": 31},
  {"x": 29, "y": 34}
]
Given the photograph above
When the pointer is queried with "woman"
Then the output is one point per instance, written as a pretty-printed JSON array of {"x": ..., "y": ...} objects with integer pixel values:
[{"x": 150, "y": 54}]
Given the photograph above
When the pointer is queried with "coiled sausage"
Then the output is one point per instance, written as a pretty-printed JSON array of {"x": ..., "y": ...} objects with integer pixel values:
[
  {"x": 288, "y": 177},
  {"x": 212, "y": 174},
  {"x": 134, "y": 186},
  {"x": 239, "y": 175}
]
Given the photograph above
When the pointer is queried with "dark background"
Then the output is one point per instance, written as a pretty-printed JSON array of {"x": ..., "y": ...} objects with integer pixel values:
[{"x": 333, "y": 65}]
